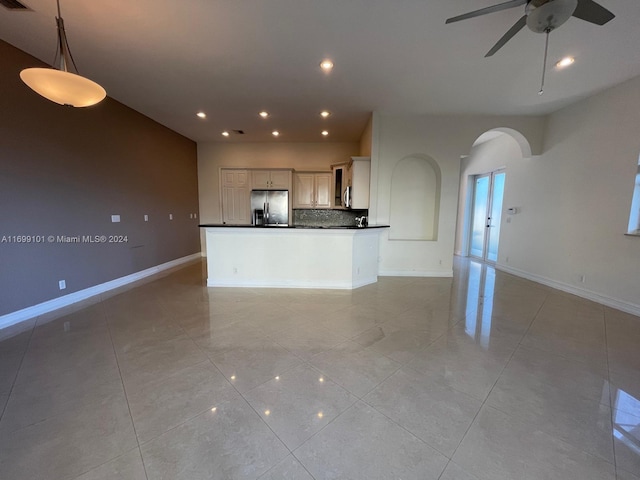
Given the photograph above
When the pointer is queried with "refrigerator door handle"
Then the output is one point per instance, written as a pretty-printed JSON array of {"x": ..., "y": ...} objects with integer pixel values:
[{"x": 266, "y": 211}]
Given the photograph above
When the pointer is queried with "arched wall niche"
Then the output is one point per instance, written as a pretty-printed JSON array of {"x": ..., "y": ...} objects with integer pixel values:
[{"x": 415, "y": 199}]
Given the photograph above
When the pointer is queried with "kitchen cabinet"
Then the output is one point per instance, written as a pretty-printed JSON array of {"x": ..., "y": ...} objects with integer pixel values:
[
  {"x": 235, "y": 196},
  {"x": 351, "y": 183},
  {"x": 312, "y": 190},
  {"x": 271, "y": 179}
]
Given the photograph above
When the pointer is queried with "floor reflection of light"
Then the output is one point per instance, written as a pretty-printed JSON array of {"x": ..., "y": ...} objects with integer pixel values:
[
  {"x": 481, "y": 286},
  {"x": 626, "y": 427}
]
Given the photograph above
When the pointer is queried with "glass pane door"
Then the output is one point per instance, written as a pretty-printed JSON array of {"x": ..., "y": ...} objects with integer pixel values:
[
  {"x": 480, "y": 214},
  {"x": 487, "y": 215},
  {"x": 493, "y": 230}
]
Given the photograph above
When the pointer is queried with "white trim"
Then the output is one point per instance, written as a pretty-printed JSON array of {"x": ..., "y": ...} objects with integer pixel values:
[
  {"x": 75, "y": 297},
  {"x": 622, "y": 305},
  {"x": 295, "y": 284},
  {"x": 414, "y": 273}
]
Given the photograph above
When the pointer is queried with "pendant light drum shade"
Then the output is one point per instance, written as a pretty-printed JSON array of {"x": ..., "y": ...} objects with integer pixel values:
[{"x": 64, "y": 88}]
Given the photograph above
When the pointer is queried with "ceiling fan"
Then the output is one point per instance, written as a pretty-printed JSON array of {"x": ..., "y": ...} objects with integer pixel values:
[{"x": 542, "y": 16}]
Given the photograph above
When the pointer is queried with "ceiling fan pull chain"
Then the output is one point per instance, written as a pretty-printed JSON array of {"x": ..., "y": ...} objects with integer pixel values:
[{"x": 544, "y": 65}]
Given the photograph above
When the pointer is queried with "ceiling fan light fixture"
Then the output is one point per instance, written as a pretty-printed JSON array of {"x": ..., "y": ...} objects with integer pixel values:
[
  {"x": 60, "y": 85},
  {"x": 565, "y": 62}
]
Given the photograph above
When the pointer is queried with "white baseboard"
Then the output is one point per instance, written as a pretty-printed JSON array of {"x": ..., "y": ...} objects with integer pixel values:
[
  {"x": 414, "y": 273},
  {"x": 327, "y": 285},
  {"x": 618, "y": 304},
  {"x": 36, "y": 310}
]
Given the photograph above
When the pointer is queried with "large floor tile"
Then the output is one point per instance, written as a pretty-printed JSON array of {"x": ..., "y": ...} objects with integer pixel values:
[
  {"x": 400, "y": 344},
  {"x": 288, "y": 469},
  {"x": 428, "y": 408},
  {"x": 299, "y": 403},
  {"x": 220, "y": 338},
  {"x": 229, "y": 441},
  {"x": 66, "y": 445},
  {"x": 501, "y": 447},
  {"x": 308, "y": 341},
  {"x": 455, "y": 472},
  {"x": 560, "y": 397},
  {"x": 364, "y": 444},
  {"x": 165, "y": 402},
  {"x": 159, "y": 359},
  {"x": 622, "y": 475},
  {"x": 126, "y": 467},
  {"x": 250, "y": 365},
  {"x": 625, "y": 392},
  {"x": 352, "y": 320},
  {"x": 355, "y": 367},
  {"x": 464, "y": 362}
]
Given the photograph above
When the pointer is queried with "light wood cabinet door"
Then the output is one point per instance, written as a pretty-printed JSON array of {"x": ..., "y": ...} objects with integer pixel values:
[
  {"x": 313, "y": 190},
  {"x": 271, "y": 179},
  {"x": 235, "y": 197},
  {"x": 323, "y": 191},
  {"x": 303, "y": 190}
]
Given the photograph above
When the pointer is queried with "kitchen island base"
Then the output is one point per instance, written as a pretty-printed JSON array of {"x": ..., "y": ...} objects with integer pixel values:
[{"x": 292, "y": 257}]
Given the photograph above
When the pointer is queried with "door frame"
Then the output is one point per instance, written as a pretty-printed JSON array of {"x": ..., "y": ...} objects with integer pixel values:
[{"x": 487, "y": 220}]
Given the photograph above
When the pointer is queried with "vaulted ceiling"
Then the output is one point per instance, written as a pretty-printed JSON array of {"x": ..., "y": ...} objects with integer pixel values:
[{"x": 234, "y": 58}]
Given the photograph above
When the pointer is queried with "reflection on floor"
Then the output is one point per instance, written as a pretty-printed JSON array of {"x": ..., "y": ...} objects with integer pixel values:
[{"x": 484, "y": 376}]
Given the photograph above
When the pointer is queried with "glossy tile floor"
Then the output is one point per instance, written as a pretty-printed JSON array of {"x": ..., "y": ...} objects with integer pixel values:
[{"x": 484, "y": 376}]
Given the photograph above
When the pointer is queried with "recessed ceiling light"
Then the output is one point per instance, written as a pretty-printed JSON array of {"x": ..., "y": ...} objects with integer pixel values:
[
  {"x": 565, "y": 62},
  {"x": 264, "y": 114},
  {"x": 325, "y": 113},
  {"x": 225, "y": 134},
  {"x": 275, "y": 133},
  {"x": 325, "y": 133},
  {"x": 326, "y": 65},
  {"x": 201, "y": 115}
]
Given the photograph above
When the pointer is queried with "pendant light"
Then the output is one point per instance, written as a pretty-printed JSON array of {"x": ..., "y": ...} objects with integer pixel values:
[{"x": 62, "y": 84}]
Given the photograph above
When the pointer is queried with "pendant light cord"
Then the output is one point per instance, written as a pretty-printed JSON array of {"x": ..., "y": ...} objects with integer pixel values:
[{"x": 544, "y": 64}]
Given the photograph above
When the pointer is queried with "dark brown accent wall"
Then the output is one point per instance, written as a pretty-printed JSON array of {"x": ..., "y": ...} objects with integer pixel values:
[{"x": 65, "y": 171}]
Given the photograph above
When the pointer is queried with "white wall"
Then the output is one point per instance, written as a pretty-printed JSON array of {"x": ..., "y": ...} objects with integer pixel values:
[
  {"x": 445, "y": 139},
  {"x": 574, "y": 199}
]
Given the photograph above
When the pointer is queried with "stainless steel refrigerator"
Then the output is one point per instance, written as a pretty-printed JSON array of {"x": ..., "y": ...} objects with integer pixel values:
[{"x": 270, "y": 207}]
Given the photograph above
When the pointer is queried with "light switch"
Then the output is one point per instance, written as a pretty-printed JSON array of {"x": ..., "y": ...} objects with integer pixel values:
[
  {"x": 115, "y": 218},
  {"x": 146, "y": 218},
  {"x": 171, "y": 216}
]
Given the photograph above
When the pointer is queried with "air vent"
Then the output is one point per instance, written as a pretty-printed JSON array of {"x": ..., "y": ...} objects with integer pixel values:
[
  {"x": 13, "y": 5},
  {"x": 238, "y": 132}
]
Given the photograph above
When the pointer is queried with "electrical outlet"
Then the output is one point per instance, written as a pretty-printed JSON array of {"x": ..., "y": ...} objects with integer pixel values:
[
  {"x": 506, "y": 259},
  {"x": 62, "y": 284},
  {"x": 146, "y": 218},
  {"x": 235, "y": 270},
  {"x": 115, "y": 218},
  {"x": 583, "y": 278},
  {"x": 171, "y": 216}
]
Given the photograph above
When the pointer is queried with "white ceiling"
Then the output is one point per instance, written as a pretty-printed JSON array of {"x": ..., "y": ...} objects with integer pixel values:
[{"x": 233, "y": 58}]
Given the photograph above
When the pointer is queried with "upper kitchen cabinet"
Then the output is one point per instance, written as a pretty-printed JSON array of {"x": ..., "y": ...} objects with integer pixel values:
[
  {"x": 351, "y": 183},
  {"x": 312, "y": 190},
  {"x": 271, "y": 179},
  {"x": 235, "y": 196}
]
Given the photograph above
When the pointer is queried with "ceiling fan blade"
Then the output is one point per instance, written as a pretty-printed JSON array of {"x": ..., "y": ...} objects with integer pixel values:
[
  {"x": 593, "y": 12},
  {"x": 485, "y": 11},
  {"x": 519, "y": 25}
]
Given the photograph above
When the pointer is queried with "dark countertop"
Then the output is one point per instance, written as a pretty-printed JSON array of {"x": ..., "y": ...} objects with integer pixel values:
[{"x": 299, "y": 227}]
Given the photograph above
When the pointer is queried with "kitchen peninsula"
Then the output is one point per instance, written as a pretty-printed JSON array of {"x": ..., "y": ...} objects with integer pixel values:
[{"x": 292, "y": 257}]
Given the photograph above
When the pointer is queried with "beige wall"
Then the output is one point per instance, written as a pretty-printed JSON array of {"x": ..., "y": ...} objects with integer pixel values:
[{"x": 65, "y": 171}]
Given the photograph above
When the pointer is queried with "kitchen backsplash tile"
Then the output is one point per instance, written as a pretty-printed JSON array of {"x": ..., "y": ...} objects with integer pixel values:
[{"x": 324, "y": 217}]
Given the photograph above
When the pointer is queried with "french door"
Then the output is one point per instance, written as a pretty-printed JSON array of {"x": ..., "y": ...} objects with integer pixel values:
[{"x": 488, "y": 193}]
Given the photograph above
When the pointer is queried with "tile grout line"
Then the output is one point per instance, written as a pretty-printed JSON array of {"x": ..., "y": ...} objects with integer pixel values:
[
  {"x": 611, "y": 403},
  {"x": 124, "y": 389},
  {"x": 500, "y": 375},
  {"x": 15, "y": 377}
]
